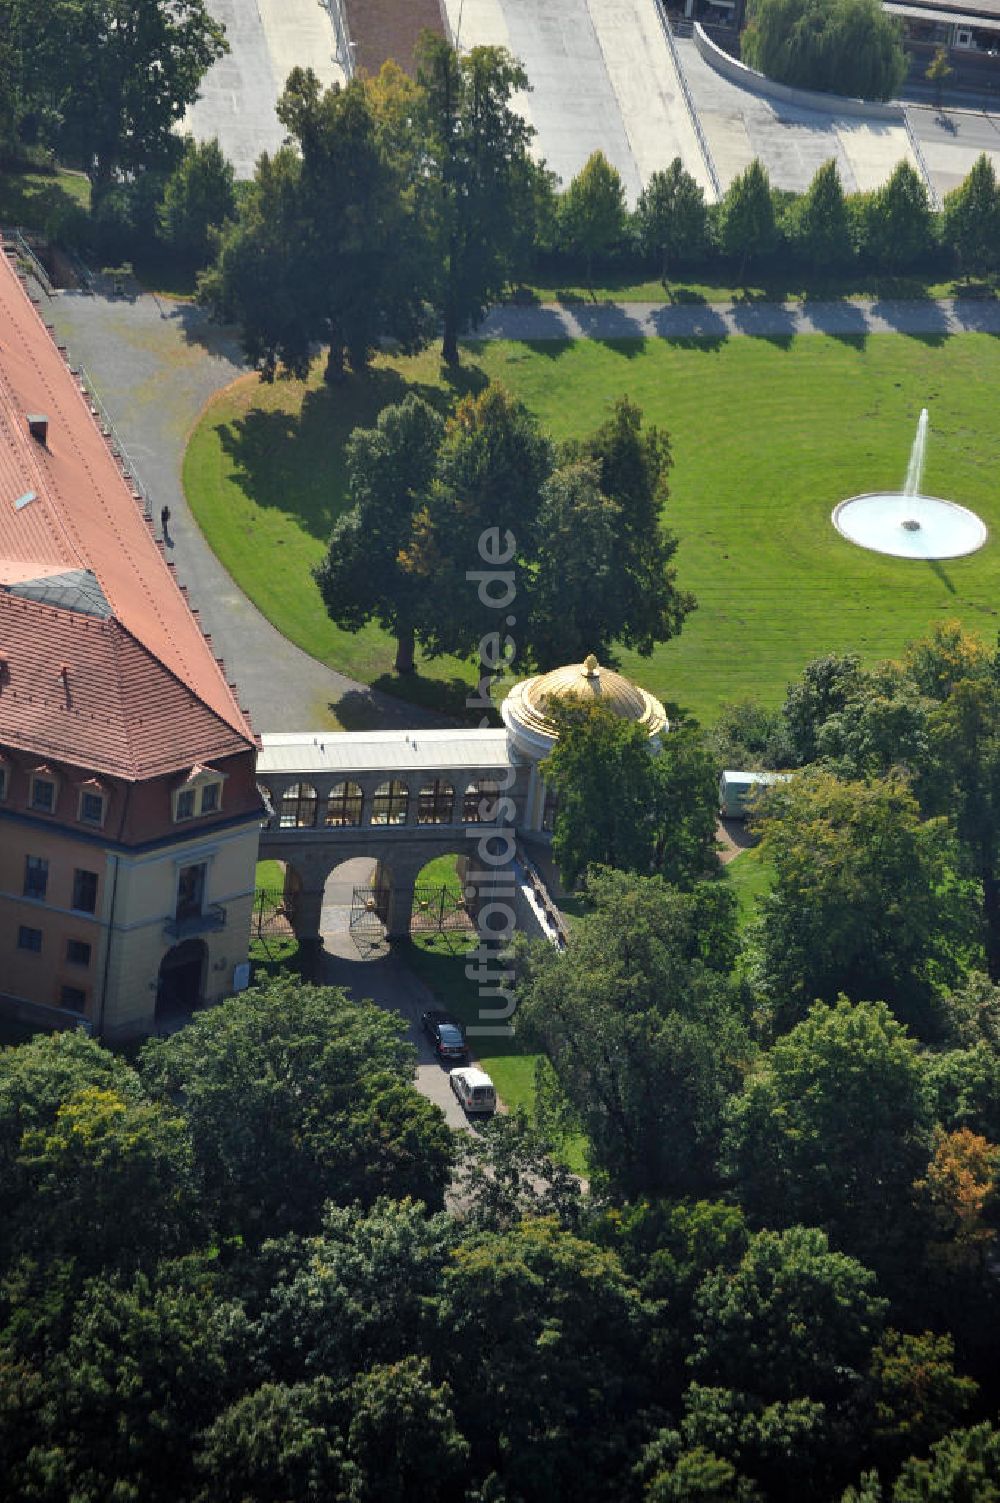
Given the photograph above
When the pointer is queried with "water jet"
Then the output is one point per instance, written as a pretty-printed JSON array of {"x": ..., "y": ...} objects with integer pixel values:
[{"x": 906, "y": 523}]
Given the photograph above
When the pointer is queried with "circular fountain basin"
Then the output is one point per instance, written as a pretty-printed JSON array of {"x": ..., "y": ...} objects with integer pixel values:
[{"x": 909, "y": 526}]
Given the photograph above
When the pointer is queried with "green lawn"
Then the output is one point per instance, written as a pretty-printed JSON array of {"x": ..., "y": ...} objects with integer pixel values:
[
  {"x": 767, "y": 434},
  {"x": 34, "y": 199},
  {"x": 751, "y": 878},
  {"x": 629, "y": 286}
]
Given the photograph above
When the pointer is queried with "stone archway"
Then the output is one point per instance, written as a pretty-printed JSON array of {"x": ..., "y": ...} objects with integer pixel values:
[{"x": 180, "y": 985}]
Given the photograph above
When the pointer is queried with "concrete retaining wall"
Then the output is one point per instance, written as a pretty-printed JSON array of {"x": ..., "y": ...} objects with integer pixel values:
[{"x": 803, "y": 99}]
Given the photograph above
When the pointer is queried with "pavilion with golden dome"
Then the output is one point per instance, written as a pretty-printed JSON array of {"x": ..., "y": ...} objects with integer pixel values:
[{"x": 531, "y": 731}]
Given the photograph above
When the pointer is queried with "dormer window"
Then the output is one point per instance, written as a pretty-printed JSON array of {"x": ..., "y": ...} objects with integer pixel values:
[
  {"x": 42, "y": 795},
  {"x": 199, "y": 794},
  {"x": 93, "y": 804}
]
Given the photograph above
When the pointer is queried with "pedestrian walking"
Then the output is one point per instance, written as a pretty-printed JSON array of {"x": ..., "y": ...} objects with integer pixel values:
[{"x": 165, "y": 523}]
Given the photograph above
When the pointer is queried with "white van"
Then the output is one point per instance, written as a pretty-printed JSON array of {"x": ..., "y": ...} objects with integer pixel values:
[{"x": 474, "y": 1089}]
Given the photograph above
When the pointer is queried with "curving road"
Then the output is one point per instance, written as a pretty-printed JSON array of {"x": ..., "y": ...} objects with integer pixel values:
[{"x": 155, "y": 364}]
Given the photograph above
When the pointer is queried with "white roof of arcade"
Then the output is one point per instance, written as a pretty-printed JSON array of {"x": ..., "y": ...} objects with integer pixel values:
[{"x": 382, "y": 751}]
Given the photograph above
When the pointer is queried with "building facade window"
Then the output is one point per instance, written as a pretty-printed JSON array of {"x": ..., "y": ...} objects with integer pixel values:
[
  {"x": 299, "y": 804},
  {"x": 435, "y": 803},
  {"x": 42, "y": 796},
  {"x": 344, "y": 806},
  {"x": 184, "y": 804},
  {"x": 85, "y": 891},
  {"x": 550, "y": 810},
  {"x": 77, "y": 952},
  {"x": 479, "y": 803},
  {"x": 36, "y": 877},
  {"x": 390, "y": 803},
  {"x": 73, "y": 997},
  {"x": 4, "y": 777},
  {"x": 91, "y": 811},
  {"x": 29, "y": 939},
  {"x": 191, "y": 891},
  {"x": 200, "y": 793}
]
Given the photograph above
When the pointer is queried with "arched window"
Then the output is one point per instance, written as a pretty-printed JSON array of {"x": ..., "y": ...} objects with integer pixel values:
[
  {"x": 343, "y": 807},
  {"x": 298, "y": 807},
  {"x": 479, "y": 806},
  {"x": 436, "y": 803},
  {"x": 390, "y": 803}
]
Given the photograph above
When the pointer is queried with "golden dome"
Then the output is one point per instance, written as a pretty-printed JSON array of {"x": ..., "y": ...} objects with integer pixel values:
[{"x": 586, "y": 683}]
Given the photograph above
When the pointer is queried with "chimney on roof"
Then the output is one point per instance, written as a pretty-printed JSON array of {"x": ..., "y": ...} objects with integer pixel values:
[{"x": 38, "y": 426}]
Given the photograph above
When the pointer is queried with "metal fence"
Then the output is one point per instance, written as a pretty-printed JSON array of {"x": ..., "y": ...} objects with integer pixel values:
[
  {"x": 345, "y": 47},
  {"x": 713, "y": 176}
]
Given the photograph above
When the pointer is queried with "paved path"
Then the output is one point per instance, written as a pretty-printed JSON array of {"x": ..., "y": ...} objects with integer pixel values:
[
  {"x": 718, "y": 321},
  {"x": 237, "y": 97},
  {"x": 155, "y": 365},
  {"x": 601, "y": 76},
  {"x": 385, "y": 980}
]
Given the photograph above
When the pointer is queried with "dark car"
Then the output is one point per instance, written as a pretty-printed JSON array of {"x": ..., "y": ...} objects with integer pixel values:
[{"x": 445, "y": 1033}]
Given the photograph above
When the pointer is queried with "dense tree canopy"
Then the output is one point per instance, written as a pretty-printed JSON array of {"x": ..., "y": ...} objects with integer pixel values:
[
  {"x": 297, "y": 1095},
  {"x": 323, "y": 249},
  {"x": 867, "y": 899},
  {"x": 663, "y": 814},
  {"x": 107, "y": 81},
  {"x": 644, "y": 1034},
  {"x": 793, "y": 1142},
  {"x": 841, "y": 46}
]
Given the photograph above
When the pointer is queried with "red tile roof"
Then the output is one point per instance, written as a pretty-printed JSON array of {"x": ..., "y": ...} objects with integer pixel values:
[
  {"x": 82, "y": 515},
  {"x": 83, "y": 690}
]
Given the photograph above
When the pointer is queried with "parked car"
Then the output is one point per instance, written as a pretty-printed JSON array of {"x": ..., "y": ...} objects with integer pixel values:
[
  {"x": 445, "y": 1033},
  {"x": 474, "y": 1089}
]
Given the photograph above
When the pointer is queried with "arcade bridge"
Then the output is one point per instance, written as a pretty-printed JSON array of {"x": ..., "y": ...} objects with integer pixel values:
[{"x": 399, "y": 798}]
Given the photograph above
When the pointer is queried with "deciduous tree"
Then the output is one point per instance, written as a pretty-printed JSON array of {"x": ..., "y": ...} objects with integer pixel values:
[
  {"x": 897, "y": 225},
  {"x": 296, "y": 1095},
  {"x": 821, "y": 229},
  {"x": 671, "y": 217},
  {"x": 793, "y": 1145},
  {"x": 113, "y": 78},
  {"x": 592, "y": 211},
  {"x": 867, "y": 899},
  {"x": 645, "y": 1038},
  {"x": 746, "y": 217},
  {"x": 199, "y": 197},
  {"x": 368, "y": 570},
  {"x": 479, "y": 177},
  {"x": 972, "y": 219},
  {"x": 845, "y": 47},
  {"x": 325, "y": 240}
]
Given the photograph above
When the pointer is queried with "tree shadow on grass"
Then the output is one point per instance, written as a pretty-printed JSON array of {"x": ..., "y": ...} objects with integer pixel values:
[
  {"x": 446, "y": 697},
  {"x": 294, "y": 461}
]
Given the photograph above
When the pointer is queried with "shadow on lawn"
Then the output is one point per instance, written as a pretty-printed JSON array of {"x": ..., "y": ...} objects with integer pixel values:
[{"x": 295, "y": 461}]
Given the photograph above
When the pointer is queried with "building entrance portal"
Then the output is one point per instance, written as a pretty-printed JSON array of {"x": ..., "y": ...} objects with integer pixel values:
[{"x": 180, "y": 985}]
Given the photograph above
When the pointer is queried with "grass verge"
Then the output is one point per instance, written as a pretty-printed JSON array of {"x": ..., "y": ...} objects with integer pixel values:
[{"x": 438, "y": 960}]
